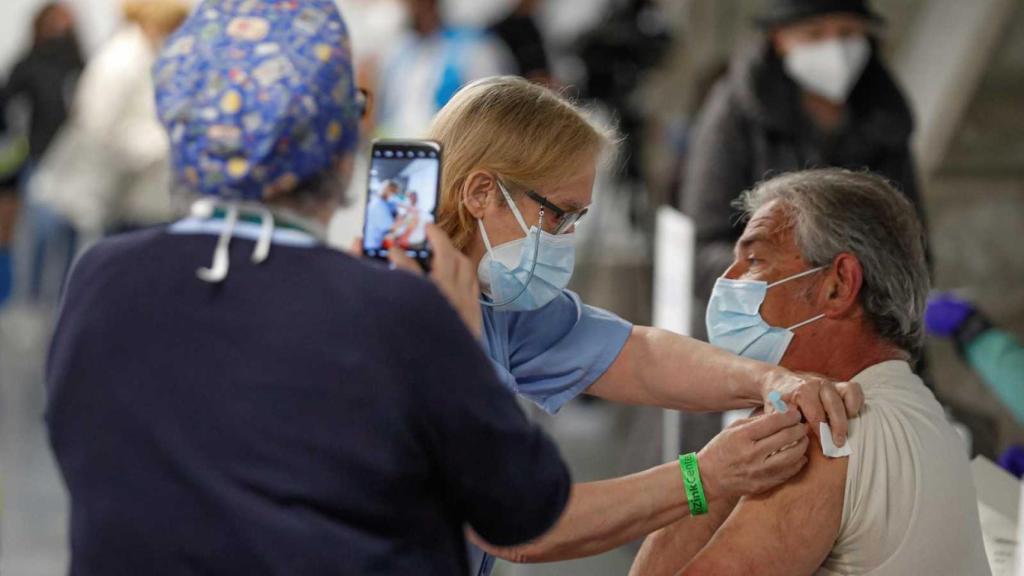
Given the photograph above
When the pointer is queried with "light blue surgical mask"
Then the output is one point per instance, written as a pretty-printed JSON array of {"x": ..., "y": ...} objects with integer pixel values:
[
  {"x": 527, "y": 273},
  {"x": 734, "y": 320}
]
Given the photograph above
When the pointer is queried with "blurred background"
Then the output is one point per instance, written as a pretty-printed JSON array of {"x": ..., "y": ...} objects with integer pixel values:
[{"x": 75, "y": 116}]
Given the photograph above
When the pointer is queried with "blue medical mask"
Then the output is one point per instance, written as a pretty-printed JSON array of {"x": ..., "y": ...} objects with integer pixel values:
[
  {"x": 528, "y": 273},
  {"x": 735, "y": 324}
]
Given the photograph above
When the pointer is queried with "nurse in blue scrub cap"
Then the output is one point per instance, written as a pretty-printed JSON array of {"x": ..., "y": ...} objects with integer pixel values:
[
  {"x": 518, "y": 173},
  {"x": 228, "y": 395}
]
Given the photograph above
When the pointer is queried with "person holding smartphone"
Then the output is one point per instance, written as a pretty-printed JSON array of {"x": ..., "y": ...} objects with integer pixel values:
[
  {"x": 518, "y": 168},
  {"x": 284, "y": 408}
]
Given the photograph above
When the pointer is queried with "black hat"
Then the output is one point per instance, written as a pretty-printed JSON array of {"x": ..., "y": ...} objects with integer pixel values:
[{"x": 781, "y": 12}]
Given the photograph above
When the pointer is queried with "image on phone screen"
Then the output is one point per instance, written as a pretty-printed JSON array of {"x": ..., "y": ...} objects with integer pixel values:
[{"x": 402, "y": 200}]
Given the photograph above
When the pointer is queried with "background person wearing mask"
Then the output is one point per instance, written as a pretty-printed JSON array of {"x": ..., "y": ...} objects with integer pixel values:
[
  {"x": 109, "y": 171},
  {"x": 291, "y": 410},
  {"x": 518, "y": 171},
  {"x": 45, "y": 80}
]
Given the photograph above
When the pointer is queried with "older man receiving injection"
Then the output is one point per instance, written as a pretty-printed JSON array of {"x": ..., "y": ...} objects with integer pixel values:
[{"x": 837, "y": 259}]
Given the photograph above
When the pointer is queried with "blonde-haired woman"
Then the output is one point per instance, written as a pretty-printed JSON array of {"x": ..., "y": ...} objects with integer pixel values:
[{"x": 518, "y": 171}]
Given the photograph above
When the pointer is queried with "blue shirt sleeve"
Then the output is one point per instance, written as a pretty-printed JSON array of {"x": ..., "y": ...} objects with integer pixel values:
[{"x": 553, "y": 354}]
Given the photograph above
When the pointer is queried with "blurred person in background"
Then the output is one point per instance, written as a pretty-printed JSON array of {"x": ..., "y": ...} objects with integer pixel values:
[
  {"x": 630, "y": 41},
  {"x": 109, "y": 170},
  {"x": 428, "y": 65},
  {"x": 994, "y": 354},
  {"x": 288, "y": 409},
  {"x": 13, "y": 156},
  {"x": 518, "y": 172},
  {"x": 44, "y": 79},
  {"x": 810, "y": 92},
  {"x": 523, "y": 38}
]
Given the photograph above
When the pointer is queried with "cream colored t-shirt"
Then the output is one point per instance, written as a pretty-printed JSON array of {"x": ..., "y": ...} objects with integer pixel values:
[{"x": 910, "y": 506}]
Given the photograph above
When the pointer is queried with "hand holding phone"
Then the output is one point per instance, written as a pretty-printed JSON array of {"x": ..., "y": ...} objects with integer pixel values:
[{"x": 453, "y": 274}]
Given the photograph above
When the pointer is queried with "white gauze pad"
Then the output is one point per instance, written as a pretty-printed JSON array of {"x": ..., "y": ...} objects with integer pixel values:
[{"x": 828, "y": 447}]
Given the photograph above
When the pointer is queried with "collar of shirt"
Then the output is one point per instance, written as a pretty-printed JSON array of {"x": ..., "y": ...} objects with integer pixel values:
[{"x": 288, "y": 231}]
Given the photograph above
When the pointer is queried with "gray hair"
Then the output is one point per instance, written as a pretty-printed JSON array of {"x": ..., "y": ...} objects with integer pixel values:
[{"x": 833, "y": 211}]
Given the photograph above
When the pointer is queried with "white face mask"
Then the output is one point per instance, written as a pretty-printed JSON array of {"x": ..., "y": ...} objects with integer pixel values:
[{"x": 829, "y": 68}]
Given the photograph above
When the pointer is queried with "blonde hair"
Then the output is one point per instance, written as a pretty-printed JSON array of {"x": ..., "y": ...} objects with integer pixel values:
[
  {"x": 163, "y": 16},
  {"x": 526, "y": 133}
]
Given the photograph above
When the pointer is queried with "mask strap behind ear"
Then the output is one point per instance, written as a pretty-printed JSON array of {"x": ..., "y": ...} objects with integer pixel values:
[
  {"x": 795, "y": 276},
  {"x": 515, "y": 209},
  {"x": 805, "y": 322},
  {"x": 483, "y": 233}
]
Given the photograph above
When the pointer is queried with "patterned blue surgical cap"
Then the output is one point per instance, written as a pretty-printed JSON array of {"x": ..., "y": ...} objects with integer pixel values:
[{"x": 258, "y": 96}]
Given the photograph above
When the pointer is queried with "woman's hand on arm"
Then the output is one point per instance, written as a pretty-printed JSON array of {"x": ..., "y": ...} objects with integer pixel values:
[
  {"x": 753, "y": 455},
  {"x": 818, "y": 398}
]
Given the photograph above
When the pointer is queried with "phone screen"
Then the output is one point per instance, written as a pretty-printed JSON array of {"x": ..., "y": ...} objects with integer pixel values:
[{"x": 405, "y": 177}]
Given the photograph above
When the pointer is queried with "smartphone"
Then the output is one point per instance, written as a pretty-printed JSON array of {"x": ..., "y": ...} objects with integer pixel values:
[{"x": 402, "y": 196}]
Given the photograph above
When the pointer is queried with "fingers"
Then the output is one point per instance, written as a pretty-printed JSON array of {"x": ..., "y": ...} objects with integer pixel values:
[
  {"x": 781, "y": 439},
  {"x": 356, "y": 249},
  {"x": 439, "y": 241},
  {"x": 446, "y": 261},
  {"x": 785, "y": 463},
  {"x": 401, "y": 261},
  {"x": 765, "y": 426},
  {"x": 808, "y": 398},
  {"x": 853, "y": 397},
  {"x": 836, "y": 411}
]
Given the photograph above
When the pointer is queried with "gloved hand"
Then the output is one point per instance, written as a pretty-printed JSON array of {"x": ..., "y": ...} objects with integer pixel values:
[{"x": 946, "y": 313}]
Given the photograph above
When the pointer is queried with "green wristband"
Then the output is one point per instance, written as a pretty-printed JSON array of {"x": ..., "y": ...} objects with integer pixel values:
[{"x": 692, "y": 485}]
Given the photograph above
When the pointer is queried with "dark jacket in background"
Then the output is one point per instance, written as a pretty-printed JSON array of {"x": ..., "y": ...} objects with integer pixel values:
[
  {"x": 46, "y": 78},
  {"x": 753, "y": 127},
  {"x": 526, "y": 44}
]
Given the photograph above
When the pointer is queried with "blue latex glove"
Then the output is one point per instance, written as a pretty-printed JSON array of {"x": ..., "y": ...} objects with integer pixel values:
[
  {"x": 946, "y": 313},
  {"x": 1012, "y": 460}
]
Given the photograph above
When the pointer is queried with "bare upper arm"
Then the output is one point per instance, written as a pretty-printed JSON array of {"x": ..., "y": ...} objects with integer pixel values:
[
  {"x": 618, "y": 383},
  {"x": 786, "y": 531}
]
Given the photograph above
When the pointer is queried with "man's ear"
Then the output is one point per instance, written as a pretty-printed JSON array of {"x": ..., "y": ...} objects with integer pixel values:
[
  {"x": 842, "y": 287},
  {"x": 478, "y": 191}
]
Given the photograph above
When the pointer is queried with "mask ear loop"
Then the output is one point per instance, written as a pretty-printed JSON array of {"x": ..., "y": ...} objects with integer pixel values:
[
  {"x": 262, "y": 250},
  {"x": 796, "y": 276},
  {"x": 219, "y": 270},
  {"x": 533, "y": 265},
  {"x": 805, "y": 322}
]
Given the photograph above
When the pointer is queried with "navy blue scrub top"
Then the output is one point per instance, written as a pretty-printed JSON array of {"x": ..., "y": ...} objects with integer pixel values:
[{"x": 313, "y": 414}]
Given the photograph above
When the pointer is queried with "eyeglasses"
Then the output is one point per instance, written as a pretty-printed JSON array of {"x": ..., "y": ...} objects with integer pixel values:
[
  {"x": 565, "y": 220},
  {"x": 364, "y": 102}
]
